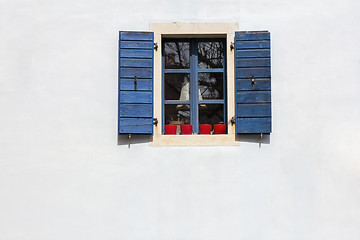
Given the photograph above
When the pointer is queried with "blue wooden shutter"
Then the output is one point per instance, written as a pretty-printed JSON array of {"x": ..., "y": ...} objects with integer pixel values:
[
  {"x": 136, "y": 54},
  {"x": 253, "y": 82}
]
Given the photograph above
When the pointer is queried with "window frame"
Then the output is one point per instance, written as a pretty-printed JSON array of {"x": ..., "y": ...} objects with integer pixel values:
[
  {"x": 194, "y": 72},
  {"x": 194, "y": 30}
]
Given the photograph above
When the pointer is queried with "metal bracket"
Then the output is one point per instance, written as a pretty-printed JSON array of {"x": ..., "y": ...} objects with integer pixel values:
[
  {"x": 232, "y": 46},
  {"x": 129, "y": 137},
  {"x": 232, "y": 121},
  {"x": 155, "y": 121},
  {"x": 156, "y": 46}
]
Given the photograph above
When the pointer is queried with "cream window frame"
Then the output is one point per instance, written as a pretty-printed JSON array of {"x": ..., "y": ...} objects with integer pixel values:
[{"x": 193, "y": 30}]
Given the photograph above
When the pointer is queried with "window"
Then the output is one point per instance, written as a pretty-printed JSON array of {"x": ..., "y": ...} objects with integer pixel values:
[
  {"x": 194, "y": 81},
  {"x": 194, "y": 73}
]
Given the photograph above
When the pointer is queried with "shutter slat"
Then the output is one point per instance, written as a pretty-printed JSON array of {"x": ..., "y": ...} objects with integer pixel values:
[
  {"x": 257, "y": 72},
  {"x": 253, "y": 97},
  {"x": 136, "y": 53},
  {"x": 135, "y": 125},
  {"x": 254, "y": 110},
  {"x": 253, "y": 82},
  {"x": 136, "y": 110},
  {"x": 252, "y": 44},
  {"x": 133, "y": 62},
  {"x": 136, "y": 44},
  {"x": 136, "y": 82},
  {"x": 253, "y": 62},
  {"x": 142, "y": 84},
  {"x": 259, "y": 84},
  {"x": 136, "y": 72},
  {"x": 254, "y": 53},
  {"x": 135, "y": 97},
  {"x": 254, "y": 125}
]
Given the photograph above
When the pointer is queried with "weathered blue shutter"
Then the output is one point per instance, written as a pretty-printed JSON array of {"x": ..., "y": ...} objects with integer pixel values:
[
  {"x": 253, "y": 82},
  {"x": 136, "y": 51}
]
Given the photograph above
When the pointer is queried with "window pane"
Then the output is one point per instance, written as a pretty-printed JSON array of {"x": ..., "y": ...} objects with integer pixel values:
[
  {"x": 210, "y": 55},
  {"x": 177, "y": 55},
  {"x": 177, "y": 114},
  {"x": 177, "y": 86},
  {"x": 211, "y": 113},
  {"x": 211, "y": 86}
]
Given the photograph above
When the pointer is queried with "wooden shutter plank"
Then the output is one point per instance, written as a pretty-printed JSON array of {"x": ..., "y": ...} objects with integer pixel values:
[
  {"x": 253, "y": 62},
  {"x": 257, "y": 72},
  {"x": 142, "y": 84},
  {"x": 137, "y": 36},
  {"x": 253, "y": 96},
  {"x": 136, "y": 125},
  {"x": 136, "y": 110},
  {"x": 252, "y": 35},
  {"x": 254, "y": 53},
  {"x": 136, "y": 53},
  {"x": 254, "y": 125},
  {"x": 138, "y": 72},
  {"x": 136, "y": 44},
  {"x": 135, "y": 97},
  {"x": 137, "y": 63},
  {"x": 259, "y": 84},
  {"x": 252, "y": 44},
  {"x": 254, "y": 110}
]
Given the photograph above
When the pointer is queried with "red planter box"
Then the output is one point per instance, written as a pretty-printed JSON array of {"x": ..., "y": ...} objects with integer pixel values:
[
  {"x": 219, "y": 128},
  {"x": 186, "y": 129},
  {"x": 170, "y": 129},
  {"x": 204, "y": 128}
]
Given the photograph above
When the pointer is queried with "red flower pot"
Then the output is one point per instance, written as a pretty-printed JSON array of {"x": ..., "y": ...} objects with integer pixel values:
[
  {"x": 186, "y": 129},
  {"x": 204, "y": 128},
  {"x": 170, "y": 129},
  {"x": 219, "y": 128}
]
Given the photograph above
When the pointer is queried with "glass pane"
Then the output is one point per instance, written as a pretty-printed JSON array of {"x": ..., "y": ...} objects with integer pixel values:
[
  {"x": 177, "y": 86},
  {"x": 177, "y": 114},
  {"x": 211, "y": 55},
  {"x": 211, "y": 86},
  {"x": 177, "y": 55},
  {"x": 211, "y": 113}
]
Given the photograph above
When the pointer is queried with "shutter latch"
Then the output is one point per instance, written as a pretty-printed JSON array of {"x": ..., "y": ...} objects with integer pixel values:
[
  {"x": 232, "y": 46},
  {"x": 156, "y": 46}
]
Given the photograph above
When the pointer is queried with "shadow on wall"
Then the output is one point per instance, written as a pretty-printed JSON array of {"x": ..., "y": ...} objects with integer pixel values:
[
  {"x": 140, "y": 139},
  {"x": 133, "y": 139}
]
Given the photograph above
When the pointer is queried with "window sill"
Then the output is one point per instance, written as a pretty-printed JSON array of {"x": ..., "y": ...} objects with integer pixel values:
[{"x": 194, "y": 140}]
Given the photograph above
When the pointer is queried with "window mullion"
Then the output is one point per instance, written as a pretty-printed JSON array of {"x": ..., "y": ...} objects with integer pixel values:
[{"x": 193, "y": 83}]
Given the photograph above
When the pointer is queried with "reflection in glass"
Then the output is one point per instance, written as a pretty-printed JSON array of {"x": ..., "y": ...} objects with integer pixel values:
[
  {"x": 177, "y": 55},
  {"x": 177, "y": 86},
  {"x": 211, "y": 113},
  {"x": 177, "y": 114},
  {"x": 211, "y": 86},
  {"x": 210, "y": 55}
]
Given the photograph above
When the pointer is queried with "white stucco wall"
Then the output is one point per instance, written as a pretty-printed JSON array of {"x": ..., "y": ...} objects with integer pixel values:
[{"x": 63, "y": 176}]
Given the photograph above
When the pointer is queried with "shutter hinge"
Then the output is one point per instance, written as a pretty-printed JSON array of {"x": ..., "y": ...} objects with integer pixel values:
[
  {"x": 155, "y": 121},
  {"x": 156, "y": 46},
  {"x": 232, "y": 46},
  {"x": 232, "y": 121}
]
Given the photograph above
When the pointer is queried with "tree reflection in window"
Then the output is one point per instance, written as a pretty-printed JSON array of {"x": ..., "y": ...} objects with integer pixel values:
[
  {"x": 210, "y": 55},
  {"x": 177, "y": 55},
  {"x": 211, "y": 86}
]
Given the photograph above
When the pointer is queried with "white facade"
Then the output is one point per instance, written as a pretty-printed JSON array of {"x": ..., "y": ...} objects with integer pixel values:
[{"x": 64, "y": 176}]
